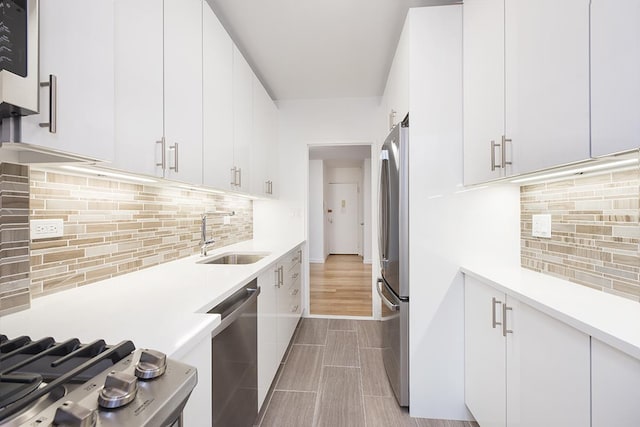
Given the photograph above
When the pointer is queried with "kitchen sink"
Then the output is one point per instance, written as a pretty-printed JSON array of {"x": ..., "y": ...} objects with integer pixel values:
[{"x": 234, "y": 258}]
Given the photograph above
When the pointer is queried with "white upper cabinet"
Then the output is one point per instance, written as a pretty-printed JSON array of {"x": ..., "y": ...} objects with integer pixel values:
[
  {"x": 183, "y": 89},
  {"x": 546, "y": 82},
  {"x": 264, "y": 142},
  {"x": 217, "y": 102},
  {"x": 76, "y": 45},
  {"x": 242, "y": 120},
  {"x": 139, "y": 92},
  {"x": 483, "y": 82},
  {"x": 615, "y": 71},
  {"x": 526, "y": 86},
  {"x": 158, "y": 88}
]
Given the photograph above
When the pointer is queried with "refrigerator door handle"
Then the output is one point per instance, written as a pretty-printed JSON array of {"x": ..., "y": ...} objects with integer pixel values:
[
  {"x": 391, "y": 306},
  {"x": 383, "y": 237}
]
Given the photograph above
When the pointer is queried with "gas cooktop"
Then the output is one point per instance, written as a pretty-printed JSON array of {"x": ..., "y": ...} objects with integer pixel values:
[{"x": 44, "y": 382}]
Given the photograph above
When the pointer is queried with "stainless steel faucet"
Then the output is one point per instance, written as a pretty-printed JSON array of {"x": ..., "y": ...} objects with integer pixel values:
[{"x": 204, "y": 243}]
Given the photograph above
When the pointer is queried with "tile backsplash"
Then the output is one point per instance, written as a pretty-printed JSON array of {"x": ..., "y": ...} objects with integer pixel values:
[
  {"x": 595, "y": 238},
  {"x": 14, "y": 238},
  {"x": 115, "y": 227}
]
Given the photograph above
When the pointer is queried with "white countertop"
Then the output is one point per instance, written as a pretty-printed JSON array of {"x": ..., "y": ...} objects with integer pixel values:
[
  {"x": 606, "y": 317},
  {"x": 162, "y": 307}
]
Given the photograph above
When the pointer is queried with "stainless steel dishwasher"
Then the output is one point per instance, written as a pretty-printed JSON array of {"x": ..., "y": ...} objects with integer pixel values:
[{"x": 234, "y": 358}]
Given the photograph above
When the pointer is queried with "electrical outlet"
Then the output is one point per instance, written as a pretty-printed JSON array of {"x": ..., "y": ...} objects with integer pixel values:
[
  {"x": 541, "y": 226},
  {"x": 46, "y": 228}
]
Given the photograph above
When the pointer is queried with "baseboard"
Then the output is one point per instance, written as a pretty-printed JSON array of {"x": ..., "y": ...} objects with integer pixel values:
[
  {"x": 367, "y": 261},
  {"x": 316, "y": 260}
]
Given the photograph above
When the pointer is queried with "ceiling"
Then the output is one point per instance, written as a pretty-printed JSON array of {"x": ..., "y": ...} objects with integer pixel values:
[
  {"x": 344, "y": 156},
  {"x": 305, "y": 49}
]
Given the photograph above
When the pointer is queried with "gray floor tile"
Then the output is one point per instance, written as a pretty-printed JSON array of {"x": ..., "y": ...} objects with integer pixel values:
[
  {"x": 385, "y": 412},
  {"x": 341, "y": 349},
  {"x": 340, "y": 403},
  {"x": 374, "y": 377},
  {"x": 342, "y": 325},
  {"x": 424, "y": 422},
  {"x": 312, "y": 331},
  {"x": 369, "y": 333},
  {"x": 290, "y": 409},
  {"x": 302, "y": 370}
]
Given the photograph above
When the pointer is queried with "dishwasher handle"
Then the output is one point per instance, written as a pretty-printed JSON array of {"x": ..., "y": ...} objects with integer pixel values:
[{"x": 234, "y": 306}]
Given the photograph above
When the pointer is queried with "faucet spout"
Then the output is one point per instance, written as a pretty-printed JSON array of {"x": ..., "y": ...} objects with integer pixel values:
[{"x": 204, "y": 243}]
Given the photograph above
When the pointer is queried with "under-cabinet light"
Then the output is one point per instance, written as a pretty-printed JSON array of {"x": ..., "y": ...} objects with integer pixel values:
[
  {"x": 584, "y": 169},
  {"x": 206, "y": 190},
  {"x": 100, "y": 172}
]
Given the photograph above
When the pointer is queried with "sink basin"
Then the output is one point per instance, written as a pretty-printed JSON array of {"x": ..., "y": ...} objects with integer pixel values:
[{"x": 234, "y": 258}]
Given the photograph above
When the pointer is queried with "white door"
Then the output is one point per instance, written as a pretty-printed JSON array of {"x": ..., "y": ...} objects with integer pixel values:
[
  {"x": 343, "y": 218},
  {"x": 615, "y": 67},
  {"x": 484, "y": 353},
  {"x": 546, "y": 82},
  {"x": 183, "y": 89},
  {"x": 547, "y": 371},
  {"x": 76, "y": 45}
]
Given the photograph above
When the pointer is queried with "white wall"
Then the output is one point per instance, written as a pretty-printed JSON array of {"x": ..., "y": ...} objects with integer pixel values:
[
  {"x": 316, "y": 211},
  {"x": 448, "y": 224},
  {"x": 303, "y": 123},
  {"x": 366, "y": 194}
]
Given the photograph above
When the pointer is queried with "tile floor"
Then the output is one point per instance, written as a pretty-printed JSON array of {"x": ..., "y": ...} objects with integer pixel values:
[{"x": 332, "y": 375}]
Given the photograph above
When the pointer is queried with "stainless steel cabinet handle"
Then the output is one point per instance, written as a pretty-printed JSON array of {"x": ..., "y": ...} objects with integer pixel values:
[
  {"x": 176, "y": 161},
  {"x": 299, "y": 256},
  {"x": 163, "y": 161},
  {"x": 239, "y": 172},
  {"x": 493, "y": 156},
  {"x": 504, "y": 151},
  {"x": 494, "y": 323},
  {"x": 233, "y": 176},
  {"x": 281, "y": 276},
  {"x": 505, "y": 331},
  {"x": 391, "y": 306},
  {"x": 52, "y": 84},
  {"x": 277, "y": 273},
  {"x": 266, "y": 187}
]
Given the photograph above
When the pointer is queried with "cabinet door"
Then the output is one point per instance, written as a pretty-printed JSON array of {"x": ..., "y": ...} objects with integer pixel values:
[
  {"x": 483, "y": 81},
  {"x": 268, "y": 356},
  {"x": 183, "y": 89},
  {"x": 484, "y": 354},
  {"x": 547, "y": 371},
  {"x": 615, "y": 67},
  {"x": 282, "y": 320},
  {"x": 242, "y": 118},
  {"x": 272, "y": 150},
  {"x": 139, "y": 87},
  {"x": 615, "y": 387},
  {"x": 546, "y": 82},
  {"x": 262, "y": 124},
  {"x": 77, "y": 46},
  {"x": 217, "y": 102}
]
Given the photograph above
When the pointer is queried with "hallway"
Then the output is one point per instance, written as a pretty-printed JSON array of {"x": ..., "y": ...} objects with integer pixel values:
[{"x": 341, "y": 286}]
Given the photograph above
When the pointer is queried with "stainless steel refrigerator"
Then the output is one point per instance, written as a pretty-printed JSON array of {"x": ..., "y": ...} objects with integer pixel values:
[{"x": 393, "y": 235}]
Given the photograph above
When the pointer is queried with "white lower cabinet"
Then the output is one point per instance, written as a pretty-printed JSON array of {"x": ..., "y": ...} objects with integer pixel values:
[
  {"x": 522, "y": 367},
  {"x": 615, "y": 379},
  {"x": 279, "y": 309}
]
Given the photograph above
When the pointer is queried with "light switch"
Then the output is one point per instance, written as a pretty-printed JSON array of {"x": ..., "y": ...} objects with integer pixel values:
[
  {"x": 541, "y": 226},
  {"x": 46, "y": 228}
]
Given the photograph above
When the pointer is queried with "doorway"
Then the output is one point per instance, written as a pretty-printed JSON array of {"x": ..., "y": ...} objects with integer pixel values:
[{"x": 340, "y": 231}]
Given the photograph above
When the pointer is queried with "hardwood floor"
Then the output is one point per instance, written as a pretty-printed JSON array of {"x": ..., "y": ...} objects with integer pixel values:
[{"x": 341, "y": 286}]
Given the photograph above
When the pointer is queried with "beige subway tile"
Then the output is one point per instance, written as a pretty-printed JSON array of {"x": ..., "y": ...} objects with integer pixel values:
[
  {"x": 101, "y": 272},
  {"x": 631, "y": 203},
  {"x": 66, "y": 205},
  {"x": 632, "y": 231},
  {"x": 594, "y": 229},
  {"x": 101, "y": 228},
  {"x": 56, "y": 242},
  {"x": 129, "y": 226},
  {"x": 103, "y": 183},
  {"x": 102, "y": 205},
  {"x": 630, "y": 260},
  {"x": 62, "y": 255}
]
